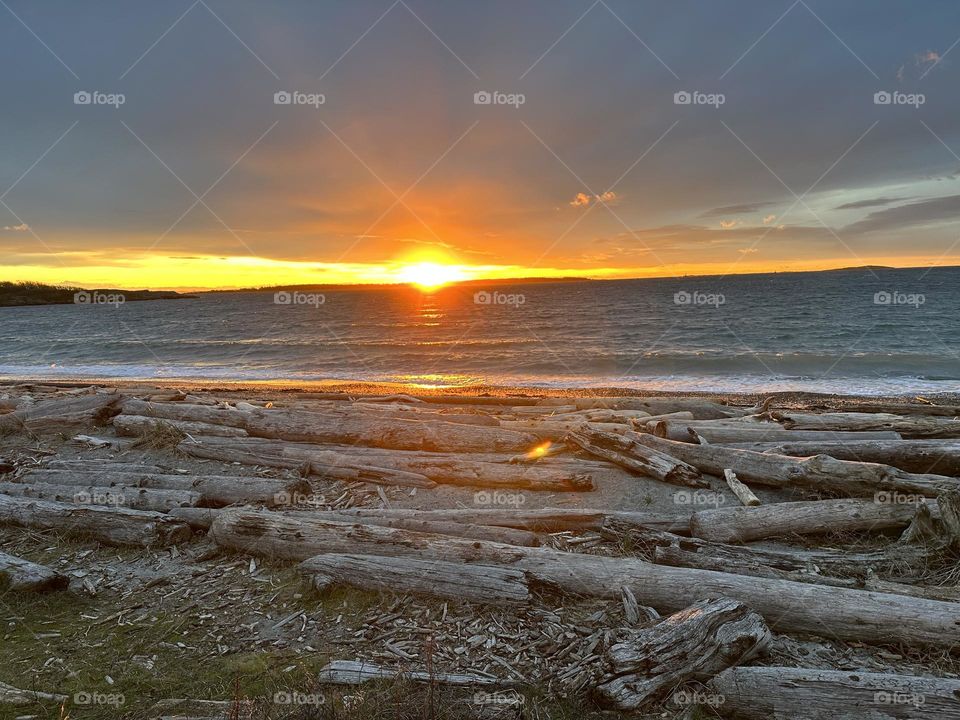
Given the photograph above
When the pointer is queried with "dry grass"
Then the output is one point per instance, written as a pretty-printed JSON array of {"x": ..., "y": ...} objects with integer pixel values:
[{"x": 162, "y": 436}]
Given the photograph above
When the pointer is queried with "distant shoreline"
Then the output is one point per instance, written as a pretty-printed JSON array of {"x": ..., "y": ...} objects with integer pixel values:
[{"x": 38, "y": 294}]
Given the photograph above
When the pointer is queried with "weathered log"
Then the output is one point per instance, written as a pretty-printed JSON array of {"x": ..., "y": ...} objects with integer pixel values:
[
  {"x": 198, "y": 518},
  {"x": 137, "y": 498},
  {"x": 25, "y": 576},
  {"x": 137, "y": 425},
  {"x": 821, "y": 472},
  {"x": 788, "y": 606},
  {"x": 9, "y": 695},
  {"x": 693, "y": 644},
  {"x": 557, "y": 429},
  {"x": 346, "y": 426},
  {"x": 949, "y": 505},
  {"x": 717, "y": 432},
  {"x": 912, "y": 426},
  {"x": 61, "y": 414},
  {"x": 355, "y": 464},
  {"x": 785, "y": 693},
  {"x": 744, "y": 494},
  {"x": 357, "y": 672},
  {"x": 622, "y": 451},
  {"x": 508, "y": 536},
  {"x": 455, "y": 581},
  {"x": 701, "y": 409},
  {"x": 918, "y": 456},
  {"x": 924, "y": 408},
  {"x": 112, "y": 526},
  {"x": 212, "y": 489},
  {"x": 816, "y": 517}
]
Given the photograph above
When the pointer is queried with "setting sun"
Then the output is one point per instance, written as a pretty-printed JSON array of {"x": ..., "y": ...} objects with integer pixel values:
[{"x": 430, "y": 275}]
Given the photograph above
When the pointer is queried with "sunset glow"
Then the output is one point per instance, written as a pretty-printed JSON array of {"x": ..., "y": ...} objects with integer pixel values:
[{"x": 430, "y": 275}]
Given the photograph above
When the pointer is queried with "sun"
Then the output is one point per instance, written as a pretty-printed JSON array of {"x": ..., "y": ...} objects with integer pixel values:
[{"x": 430, "y": 275}]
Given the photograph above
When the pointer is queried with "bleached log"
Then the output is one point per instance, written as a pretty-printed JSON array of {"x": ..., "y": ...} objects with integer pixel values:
[
  {"x": 434, "y": 468},
  {"x": 787, "y": 606},
  {"x": 816, "y": 517},
  {"x": 61, "y": 414},
  {"x": 636, "y": 457},
  {"x": 110, "y": 496},
  {"x": 918, "y": 456},
  {"x": 557, "y": 429},
  {"x": 821, "y": 472},
  {"x": 25, "y": 576},
  {"x": 744, "y": 494},
  {"x": 198, "y": 518},
  {"x": 10, "y": 695},
  {"x": 483, "y": 584},
  {"x": 896, "y": 408},
  {"x": 357, "y": 672},
  {"x": 344, "y": 426},
  {"x": 695, "y": 643},
  {"x": 911, "y": 426},
  {"x": 137, "y": 425},
  {"x": 701, "y": 409},
  {"x": 112, "y": 526},
  {"x": 715, "y": 432},
  {"x": 786, "y": 693}
]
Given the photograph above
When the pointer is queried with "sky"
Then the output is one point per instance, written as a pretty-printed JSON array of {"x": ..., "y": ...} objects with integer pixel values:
[{"x": 622, "y": 138}]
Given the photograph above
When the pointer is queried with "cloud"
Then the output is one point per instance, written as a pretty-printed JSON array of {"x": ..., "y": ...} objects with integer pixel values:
[
  {"x": 930, "y": 56},
  {"x": 581, "y": 199},
  {"x": 873, "y": 202},
  {"x": 742, "y": 209},
  {"x": 747, "y": 251},
  {"x": 767, "y": 219},
  {"x": 609, "y": 197},
  {"x": 728, "y": 224},
  {"x": 22, "y": 227},
  {"x": 923, "y": 212}
]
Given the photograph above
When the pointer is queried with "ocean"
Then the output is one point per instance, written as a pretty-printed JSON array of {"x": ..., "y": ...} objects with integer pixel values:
[{"x": 858, "y": 331}]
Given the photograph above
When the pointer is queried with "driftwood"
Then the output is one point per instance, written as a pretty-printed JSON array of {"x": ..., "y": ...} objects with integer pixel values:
[
  {"x": 357, "y": 672},
  {"x": 196, "y": 517},
  {"x": 111, "y": 526},
  {"x": 137, "y": 425},
  {"x": 918, "y": 456},
  {"x": 816, "y": 517},
  {"x": 744, "y": 494},
  {"x": 914, "y": 426},
  {"x": 110, "y": 496},
  {"x": 740, "y": 431},
  {"x": 821, "y": 472},
  {"x": 10, "y": 695},
  {"x": 61, "y": 414},
  {"x": 622, "y": 451},
  {"x": 785, "y": 693},
  {"x": 25, "y": 576},
  {"x": 695, "y": 643},
  {"x": 949, "y": 505},
  {"x": 455, "y": 581},
  {"x": 787, "y": 606},
  {"x": 356, "y": 464},
  {"x": 700, "y": 408},
  {"x": 343, "y": 426}
]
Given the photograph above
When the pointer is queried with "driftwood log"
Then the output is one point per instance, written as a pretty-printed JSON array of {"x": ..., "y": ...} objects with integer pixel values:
[
  {"x": 636, "y": 457},
  {"x": 137, "y": 498},
  {"x": 740, "y": 432},
  {"x": 25, "y": 576},
  {"x": 9, "y": 695},
  {"x": 913, "y": 426},
  {"x": 693, "y": 644},
  {"x": 111, "y": 526},
  {"x": 787, "y": 606},
  {"x": 138, "y": 425},
  {"x": 455, "y": 581},
  {"x": 357, "y": 672},
  {"x": 784, "y": 693},
  {"x": 743, "y": 493},
  {"x": 61, "y": 414}
]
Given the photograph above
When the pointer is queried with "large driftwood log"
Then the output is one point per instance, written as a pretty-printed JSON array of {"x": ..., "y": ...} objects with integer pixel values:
[
  {"x": 787, "y": 606},
  {"x": 701, "y": 409},
  {"x": 914, "y": 426},
  {"x": 212, "y": 489},
  {"x": 25, "y": 576},
  {"x": 110, "y": 496},
  {"x": 917, "y": 456},
  {"x": 624, "y": 452},
  {"x": 821, "y": 472},
  {"x": 484, "y": 584},
  {"x": 739, "y": 432},
  {"x": 356, "y": 672},
  {"x": 693, "y": 644},
  {"x": 61, "y": 414},
  {"x": 112, "y": 526},
  {"x": 138, "y": 425},
  {"x": 344, "y": 426},
  {"x": 439, "y": 468},
  {"x": 816, "y": 517},
  {"x": 785, "y": 693}
]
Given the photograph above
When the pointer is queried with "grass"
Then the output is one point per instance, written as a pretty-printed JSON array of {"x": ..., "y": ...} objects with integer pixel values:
[{"x": 159, "y": 436}]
